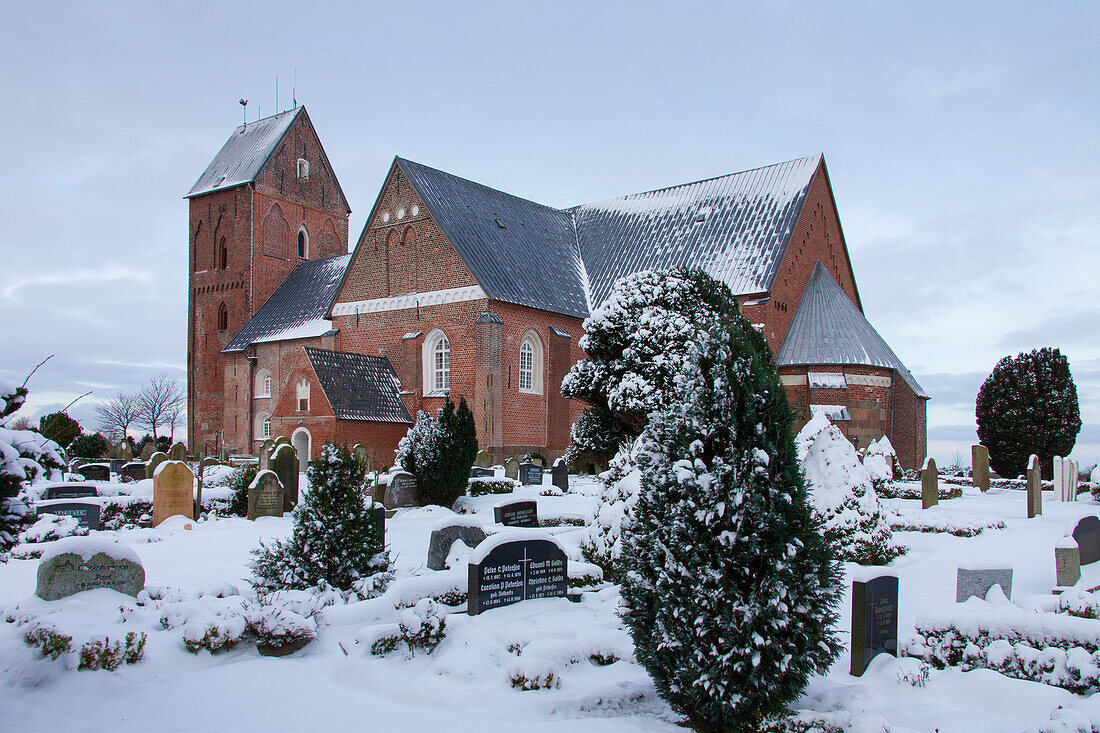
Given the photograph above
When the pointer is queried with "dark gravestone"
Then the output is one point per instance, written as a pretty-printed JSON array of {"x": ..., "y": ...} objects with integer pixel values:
[
  {"x": 517, "y": 514},
  {"x": 1087, "y": 534},
  {"x": 284, "y": 462},
  {"x": 439, "y": 546},
  {"x": 134, "y": 471},
  {"x": 402, "y": 491},
  {"x": 874, "y": 621},
  {"x": 117, "y": 464},
  {"x": 70, "y": 491},
  {"x": 479, "y": 472},
  {"x": 559, "y": 475},
  {"x": 516, "y": 571},
  {"x": 95, "y": 472},
  {"x": 530, "y": 473},
  {"x": 85, "y": 513},
  {"x": 379, "y": 512},
  {"x": 265, "y": 496}
]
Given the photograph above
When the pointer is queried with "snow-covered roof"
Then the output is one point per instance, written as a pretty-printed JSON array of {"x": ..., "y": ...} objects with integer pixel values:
[
  {"x": 298, "y": 306},
  {"x": 828, "y": 328},
  {"x": 244, "y": 153},
  {"x": 359, "y": 386}
]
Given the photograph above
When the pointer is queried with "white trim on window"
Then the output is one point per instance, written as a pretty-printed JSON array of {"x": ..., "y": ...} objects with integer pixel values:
[
  {"x": 263, "y": 383},
  {"x": 530, "y": 363},
  {"x": 303, "y": 169},
  {"x": 436, "y": 359},
  {"x": 263, "y": 426}
]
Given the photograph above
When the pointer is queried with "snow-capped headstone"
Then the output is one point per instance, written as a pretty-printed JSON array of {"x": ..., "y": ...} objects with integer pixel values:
[
  {"x": 154, "y": 460},
  {"x": 1067, "y": 562},
  {"x": 173, "y": 491},
  {"x": 517, "y": 514},
  {"x": 874, "y": 620},
  {"x": 284, "y": 462},
  {"x": 480, "y": 472},
  {"x": 86, "y": 513},
  {"x": 974, "y": 581},
  {"x": 178, "y": 452},
  {"x": 511, "y": 468},
  {"x": 265, "y": 495},
  {"x": 444, "y": 535},
  {"x": 78, "y": 564},
  {"x": 530, "y": 473},
  {"x": 1034, "y": 488},
  {"x": 95, "y": 472},
  {"x": 559, "y": 475},
  {"x": 482, "y": 460},
  {"x": 929, "y": 484},
  {"x": 1087, "y": 534},
  {"x": 70, "y": 491},
  {"x": 402, "y": 491},
  {"x": 507, "y": 569},
  {"x": 133, "y": 471},
  {"x": 979, "y": 467}
]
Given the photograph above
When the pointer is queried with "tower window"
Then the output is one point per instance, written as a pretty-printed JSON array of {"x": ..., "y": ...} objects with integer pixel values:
[
  {"x": 303, "y": 244},
  {"x": 303, "y": 169},
  {"x": 223, "y": 255},
  {"x": 223, "y": 317}
]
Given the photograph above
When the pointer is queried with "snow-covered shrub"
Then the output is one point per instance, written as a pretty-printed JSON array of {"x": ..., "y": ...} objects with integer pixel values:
[
  {"x": 276, "y": 626},
  {"x": 51, "y": 527},
  {"x": 731, "y": 588},
  {"x": 908, "y": 490},
  {"x": 108, "y": 655},
  {"x": 422, "y": 626},
  {"x": 878, "y": 470},
  {"x": 934, "y": 519},
  {"x": 335, "y": 539},
  {"x": 551, "y": 491},
  {"x": 533, "y": 673},
  {"x": 50, "y": 642},
  {"x": 439, "y": 451},
  {"x": 487, "y": 485},
  {"x": 126, "y": 512},
  {"x": 602, "y": 543},
  {"x": 1079, "y": 603},
  {"x": 842, "y": 495},
  {"x": 885, "y": 449},
  {"x": 594, "y": 439},
  {"x": 238, "y": 484}
]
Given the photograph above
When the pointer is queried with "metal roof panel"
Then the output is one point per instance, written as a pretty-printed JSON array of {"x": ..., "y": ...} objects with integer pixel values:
[
  {"x": 359, "y": 386},
  {"x": 244, "y": 153}
]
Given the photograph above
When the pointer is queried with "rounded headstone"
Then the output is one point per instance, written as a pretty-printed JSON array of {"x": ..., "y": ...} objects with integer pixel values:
[
  {"x": 439, "y": 546},
  {"x": 154, "y": 460},
  {"x": 148, "y": 451},
  {"x": 78, "y": 564},
  {"x": 173, "y": 492}
]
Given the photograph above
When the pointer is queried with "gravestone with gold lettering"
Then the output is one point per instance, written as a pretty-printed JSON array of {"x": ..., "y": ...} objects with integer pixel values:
[{"x": 874, "y": 621}]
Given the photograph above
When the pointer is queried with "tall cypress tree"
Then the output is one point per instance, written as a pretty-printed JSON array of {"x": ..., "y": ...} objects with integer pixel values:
[{"x": 730, "y": 589}]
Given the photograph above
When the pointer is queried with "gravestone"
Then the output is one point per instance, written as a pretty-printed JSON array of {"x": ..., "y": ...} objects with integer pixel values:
[
  {"x": 1059, "y": 477},
  {"x": 281, "y": 440},
  {"x": 559, "y": 475},
  {"x": 209, "y": 461},
  {"x": 75, "y": 565},
  {"x": 530, "y": 473},
  {"x": 124, "y": 451},
  {"x": 479, "y": 472},
  {"x": 178, "y": 452},
  {"x": 133, "y": 471},
  {"x": 148, "y": 451},
  {"x": 70, "y": 491},
  {"x": 265, "y": 495},
  {"x": 514, "y": 571},
  {"x": 379, "y": 512},
  {"x": 360, "y": 451},
  {"x": 1087, "y": 535},
  {"x": 978, "y": 581},
  {"x": 482, "y": 459},
  {"x": 95, "y": 472},
  {"x": 402, "y": 491},
  {"x": 154, "y": 460},
  {"x": 1067, "y": 563},
  {"x": 517, "y": 514},
  {"x": 439, "y": 546},
  {"x": 929, "y": 484},
  {"x": 1066, "y": 488},
  {"x": 284, "y": 462},
  {"x": 874, "y": 621},
  {"x": 116, "y": 464},
  {"x": 86, "y": 513},
  {"x": 1034, "y": 488},
  {"x": 979, "y": 466},
  {"x": 173, "y": 492},
  {"x": 265, "y": 453},
  {"x": 511, "y": 468}
]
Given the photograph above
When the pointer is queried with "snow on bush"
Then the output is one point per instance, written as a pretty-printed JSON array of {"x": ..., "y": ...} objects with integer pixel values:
[
  {"x": 884, "y": 449},
  {"x": 842, "y": 495},
  {"x": 439, "y": 451},
  {"x": 533, "y": 673},
  {"x": 278, "y": 626},
  {"x": 51, "y": 527},
  {"x": 423, "y": 626},
  {"x": 492, "y": 485},
  {"x": 602, "y": 542},
  {"x": 879, "y": 471},
  {"x": 938, "y": 519},
  {"x": 909, "y": 490}
]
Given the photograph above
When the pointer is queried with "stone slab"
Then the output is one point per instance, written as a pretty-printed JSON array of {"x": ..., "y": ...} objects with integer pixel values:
[
  {"x": 87, "y": 513},
  {"x": 70, "y": 491},
  {"x": 95, "y": 472},
  {"x": 401, "y": 491},
  {"x": 978, "y": 581},
  {"x": 530, "y": 474},
  {"x": 69, "y": 572},
  {"x": 173, "y": 492},
  {"x": 517, "y": 514},
  {"x": 874, "y": 621},
  {"x": 439, "y": 546},
  {"x": 1067, "y": 566},
  {"x": 517, "y": 571}
]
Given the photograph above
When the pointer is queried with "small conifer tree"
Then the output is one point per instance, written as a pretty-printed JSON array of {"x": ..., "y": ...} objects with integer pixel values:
[
  {"x": 439, "y": 451},
  {"x": 730, "y": 589},
  {"x": 335, "y": 540}
]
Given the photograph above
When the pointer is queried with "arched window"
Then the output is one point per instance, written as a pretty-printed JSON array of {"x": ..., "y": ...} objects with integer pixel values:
[
  {"x": 303, "y": 244},
  {"x": 437, "y": 364},
  {"x": 303, "y": 169},
  {"x": 530, "y": 364},
  {"x": 263, "y": 426},
  {"x": 223, "y": 317},
  {"x": 223, "y": 255},
  {"x": 263, "y": 383},
  {"x": 267, "y": 385}
]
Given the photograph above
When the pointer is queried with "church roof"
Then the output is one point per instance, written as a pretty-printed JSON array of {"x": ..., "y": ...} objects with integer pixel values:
[
  {"x": 298, "y": 306},
  {"x": 244, "y": 153},
  {"x": 359, "y": 386},
  {"x": 828, "y": 328}
]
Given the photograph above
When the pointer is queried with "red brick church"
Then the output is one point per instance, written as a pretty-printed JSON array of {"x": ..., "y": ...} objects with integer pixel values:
[{"x": 454, "y": 288}]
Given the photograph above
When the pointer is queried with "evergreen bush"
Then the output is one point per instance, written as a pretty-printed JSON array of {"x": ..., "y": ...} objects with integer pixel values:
[
  {"x": 731, "y": 589},
  {"x": 335, "y": 539},
  {"x": 440, "y": 451},
  {"x": 238, "y": 483},
  {"x": 60, "y": 428},
  {"x": 92, "y": 446},
  {"x": 1028, "y": 405},
  {"x": 595, "y": 438}
]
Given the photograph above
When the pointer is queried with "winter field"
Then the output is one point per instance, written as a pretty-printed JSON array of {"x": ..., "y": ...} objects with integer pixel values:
[{"x": 334, "y": 683}]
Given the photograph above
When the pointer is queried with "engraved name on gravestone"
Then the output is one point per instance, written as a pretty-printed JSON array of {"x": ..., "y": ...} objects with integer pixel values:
[
  {"x": 1087, "y": 534},
  {"x": 530, "y": 473},
  {"x": 402, "y": 491},
  {"x": 87, "y": 514},
  {"x": 77, "y": 564},
  {"x": 874, "y": 621},
  {"x": 517, "y": 514},
  {"x": 479, "y": 472},
  {"x": 265, "y": 495},
  {"x": 133, "y": 471},
  {"x": 559, "y": 475},
  {"x": 95, "y": 472},
  {"x": 173, "y": 492},
  {"x": 70, "y": 491},
  {"x": 978, "y": 581},
  {"x": 517, "y": 570}
]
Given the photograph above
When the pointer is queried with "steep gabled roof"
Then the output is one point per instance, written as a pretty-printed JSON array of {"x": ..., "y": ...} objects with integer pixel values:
[
  {"x": 828, "y": 328},
  {"x": 736, "y": 227},
  {"x": 244, "y": 153},
  {"x": 359, "y": 386},
  {"x": 518, "y": 251},
  {"x": 298, "y": 306}
]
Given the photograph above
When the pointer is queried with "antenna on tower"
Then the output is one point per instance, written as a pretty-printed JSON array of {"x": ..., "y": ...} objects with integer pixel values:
[
  {"x": 244, "y": 110},
  {"x": 294, "y": 88},
  {"x": 276, "y": 94}
]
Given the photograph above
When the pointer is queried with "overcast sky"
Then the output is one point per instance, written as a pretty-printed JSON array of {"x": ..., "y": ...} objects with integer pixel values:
[{"x": 961, "y": 145}]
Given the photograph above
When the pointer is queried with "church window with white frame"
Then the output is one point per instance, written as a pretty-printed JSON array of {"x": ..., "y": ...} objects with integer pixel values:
[
  {"x": 263, "y": 383},
  {"x": 437, "y": 364},
  {"x": 530, "y": 364},
  {"x": 303, "y": 169},
  {"x": 263, "y": 426}
]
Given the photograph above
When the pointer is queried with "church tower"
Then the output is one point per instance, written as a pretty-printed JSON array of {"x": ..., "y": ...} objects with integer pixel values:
[{"x": 268, "y": 200}]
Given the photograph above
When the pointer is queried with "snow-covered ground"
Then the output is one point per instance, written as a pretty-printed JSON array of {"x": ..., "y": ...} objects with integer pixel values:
[{"x": 334, "y": 684}]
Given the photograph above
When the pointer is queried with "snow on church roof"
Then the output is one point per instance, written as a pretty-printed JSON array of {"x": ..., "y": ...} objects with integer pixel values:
[
  {"x": 359, "y": 386},
  {"x": 244, "y": 153},
  {"x": 828, "y": 328}
]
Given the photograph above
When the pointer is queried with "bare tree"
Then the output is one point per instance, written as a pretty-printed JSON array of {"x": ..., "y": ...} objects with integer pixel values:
[
  {"x": 155, "y": 400},
  {"x": 115, "y": 416},
  {"x": 172, "y": 415}
]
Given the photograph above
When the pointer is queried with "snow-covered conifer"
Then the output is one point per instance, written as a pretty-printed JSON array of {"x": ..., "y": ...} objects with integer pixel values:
[
  {"x": 885, "y": 449},
  {"x": 731, "y": 588},
  {"x": 439, "y": 451},
  {"x": 602, "y": 542},
  {"x": 842, "y": 495},
  {"x": 335, "y": 540}
]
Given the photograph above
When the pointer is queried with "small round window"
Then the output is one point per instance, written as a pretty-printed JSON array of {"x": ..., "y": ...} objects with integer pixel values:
[
  {"x": 385, "y": 216},
  {"x": 415, "y": 210},
  {"x": 400, "y": 213}
]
